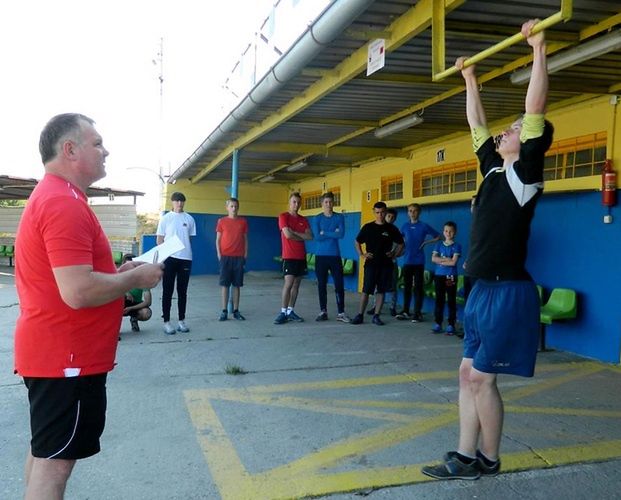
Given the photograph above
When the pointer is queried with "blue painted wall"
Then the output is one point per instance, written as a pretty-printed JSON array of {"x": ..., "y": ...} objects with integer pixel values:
[
  {"x": 263, "y": 244},
  {"x": 570, "y": 247}
]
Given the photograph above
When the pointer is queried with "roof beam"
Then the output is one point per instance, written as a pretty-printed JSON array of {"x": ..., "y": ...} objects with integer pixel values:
[
  {"x": 404, "y": 28},
  {"x": 321, "y": 149}
]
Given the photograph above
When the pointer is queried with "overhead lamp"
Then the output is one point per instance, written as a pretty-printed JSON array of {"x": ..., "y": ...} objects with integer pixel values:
[
  {"x": 575, "y": 55},
  {"x": 398, "y": 126},
  {"x": 296, "y": 166},
  {"x": 267, "y": 178}
]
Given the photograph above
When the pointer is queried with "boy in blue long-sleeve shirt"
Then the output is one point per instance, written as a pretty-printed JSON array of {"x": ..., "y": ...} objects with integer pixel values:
[{"x": 329, "y": 228}]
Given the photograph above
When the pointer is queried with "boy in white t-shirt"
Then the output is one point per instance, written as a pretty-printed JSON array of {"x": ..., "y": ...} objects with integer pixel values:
[{"x": 179, "y": 265}]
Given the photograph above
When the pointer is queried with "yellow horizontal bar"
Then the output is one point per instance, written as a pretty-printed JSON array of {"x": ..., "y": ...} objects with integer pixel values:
[{"x": 508, "y": 42}]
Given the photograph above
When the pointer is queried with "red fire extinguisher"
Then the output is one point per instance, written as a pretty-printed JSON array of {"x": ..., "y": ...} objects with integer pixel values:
[{"x": 609, "y": 185}]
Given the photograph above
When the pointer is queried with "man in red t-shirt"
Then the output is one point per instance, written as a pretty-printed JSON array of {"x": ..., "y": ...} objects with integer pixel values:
[
  {"x": 232, "y": 250},
  {"x": 294, "y": 230},
  {"x": 71, "y": 305}
]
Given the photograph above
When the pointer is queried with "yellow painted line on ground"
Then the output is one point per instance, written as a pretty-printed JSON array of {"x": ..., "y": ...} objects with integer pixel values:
[
  {"x": 579, "y": 372},
  {"x": 561, "y": 455},
  {"x": 354, "y": 382},
  {"x": 382, "y": 477},
  {"x": 574, "y": 412},
  {"x": 310, "y": 476},
  {"x": 318, "y": 406},
  {"x": 360, "y": 444},
  {"x": 228, "y": 472},
  {"x": 391, "y": 404}
]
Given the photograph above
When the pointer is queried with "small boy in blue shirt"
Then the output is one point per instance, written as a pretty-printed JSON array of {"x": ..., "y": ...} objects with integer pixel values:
[{"x": 445, "y": 256}]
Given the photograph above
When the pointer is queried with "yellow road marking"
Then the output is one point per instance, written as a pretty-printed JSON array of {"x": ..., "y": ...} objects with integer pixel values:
[{"x": 311, "y": 474}]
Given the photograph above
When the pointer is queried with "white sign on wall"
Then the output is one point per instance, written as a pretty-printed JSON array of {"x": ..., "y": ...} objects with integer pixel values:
[{"x": 376, "y": 55}]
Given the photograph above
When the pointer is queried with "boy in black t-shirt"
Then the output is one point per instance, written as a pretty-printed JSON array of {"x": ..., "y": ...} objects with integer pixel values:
[
  {"x": 382, "y": 243},
  {"x": 501, "y": 317}
]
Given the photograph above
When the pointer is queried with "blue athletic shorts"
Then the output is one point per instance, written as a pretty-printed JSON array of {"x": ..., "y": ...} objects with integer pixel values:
[{"x": 501, "y": 324}]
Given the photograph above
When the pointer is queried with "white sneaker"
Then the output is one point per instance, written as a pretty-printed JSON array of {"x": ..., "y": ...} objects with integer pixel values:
[
  {"x": 343, "y": 317},
  {"x": 181, "y": 327},
  {"x": 168, "y": 329}
]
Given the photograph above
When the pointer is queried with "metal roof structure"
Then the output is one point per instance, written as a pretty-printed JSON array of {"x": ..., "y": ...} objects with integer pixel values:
[
  {"x": 317, "y": 105},
  {"x": 18, "y": 188}
]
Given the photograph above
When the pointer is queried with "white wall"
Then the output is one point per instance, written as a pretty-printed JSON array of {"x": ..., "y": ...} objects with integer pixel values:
[{"x": 117, "y": 221}]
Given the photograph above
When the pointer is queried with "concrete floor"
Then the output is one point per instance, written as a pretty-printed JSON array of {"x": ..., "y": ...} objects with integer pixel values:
[{"x": 324, "y": 410}]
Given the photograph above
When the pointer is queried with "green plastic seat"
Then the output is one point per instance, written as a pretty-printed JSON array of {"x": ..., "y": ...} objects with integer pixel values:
[
  {"x": 562, "y": 304},
  {"x": 310, "y": 261},
  {"x": 348, "y": 267},
  {"x": 429, "y": 287},
  {"x": 2, "y": 247},
  {"x": 9, "y": 251},
  {"x": 117, "y": 256}
]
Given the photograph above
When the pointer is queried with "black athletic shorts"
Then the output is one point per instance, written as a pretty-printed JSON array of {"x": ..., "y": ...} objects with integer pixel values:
[
  {"x": 67, "y": 415},
  {"x": 377, "y": 277},
  {"x": 294, "y": 267},
  {"x": 232, "y": 271}
]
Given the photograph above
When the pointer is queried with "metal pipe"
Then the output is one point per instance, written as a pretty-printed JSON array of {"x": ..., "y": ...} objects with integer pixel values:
[
  {"x": 563, "y": 15},
  {"x": 235, "y": 174},
  {"x": 338, "y": 16}
]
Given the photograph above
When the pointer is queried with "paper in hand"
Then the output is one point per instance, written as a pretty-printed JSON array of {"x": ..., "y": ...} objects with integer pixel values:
[{"x": 165, "y": 250}]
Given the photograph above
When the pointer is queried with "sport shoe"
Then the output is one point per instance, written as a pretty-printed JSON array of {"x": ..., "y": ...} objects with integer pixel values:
[
  {"x": 168, "y": 329},
  {"x": 182, "y": 327},
  {"x": 450, "y": 330},
  {"x": 487, "y": 470},
  {"x": 294, "y": 317},
  {"x": 437, "y": 328},
  {"x": 358, "y": 319},
  {"x": 281, "y": 319},
  {"x": 393, "y": 312},
  {"x": 343, "y": 318},
  {"x": 403, "y": 315},
  {"x": 322, "y": 316},
  {"x": 417, "y": 318},
  {"x": 223, "y": 316},
  {"x": 484, "y": 469},
  {"x": 452, "y": 468},
  {"x": 238, "y": 315},
  {"x": 134, "y": 322},
  {"x": 377, "y": 321}
]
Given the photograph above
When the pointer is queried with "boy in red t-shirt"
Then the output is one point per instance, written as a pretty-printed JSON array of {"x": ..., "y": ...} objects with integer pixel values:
[
  {"x": 294, "y": 230},
  {"x": 232, "y": 250}
]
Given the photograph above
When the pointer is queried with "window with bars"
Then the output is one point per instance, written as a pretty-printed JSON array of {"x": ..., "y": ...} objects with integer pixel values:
[
  {"x": 336, "y": 191},
  {"x": 392, "y": 188},
  {"x": 577, "y": 157},
  {"x": 456, "y": 177},
  {"x": 311, "y": 200}
]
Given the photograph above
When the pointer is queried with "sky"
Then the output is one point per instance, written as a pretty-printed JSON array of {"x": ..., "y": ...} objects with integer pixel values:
[{"x": 97, "y": 58}]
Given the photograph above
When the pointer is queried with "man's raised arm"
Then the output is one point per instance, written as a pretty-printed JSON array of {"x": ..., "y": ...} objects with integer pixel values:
[
  {"x": 474, "y": 107},
  {"x": 537, "y": 92}
]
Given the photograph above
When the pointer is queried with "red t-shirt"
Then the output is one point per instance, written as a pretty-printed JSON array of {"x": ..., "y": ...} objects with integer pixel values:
[
  {"x": 292, "y": 249},
  {"x": 59, "y": 229},
  {"x": 232, "y": 241}
]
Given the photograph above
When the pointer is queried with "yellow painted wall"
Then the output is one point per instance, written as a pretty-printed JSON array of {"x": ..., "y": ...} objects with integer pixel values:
[
  {"x": 579, "y": 119},
  {"x": 258, "y": 199},
  {"x": 269, "y": 199}
]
